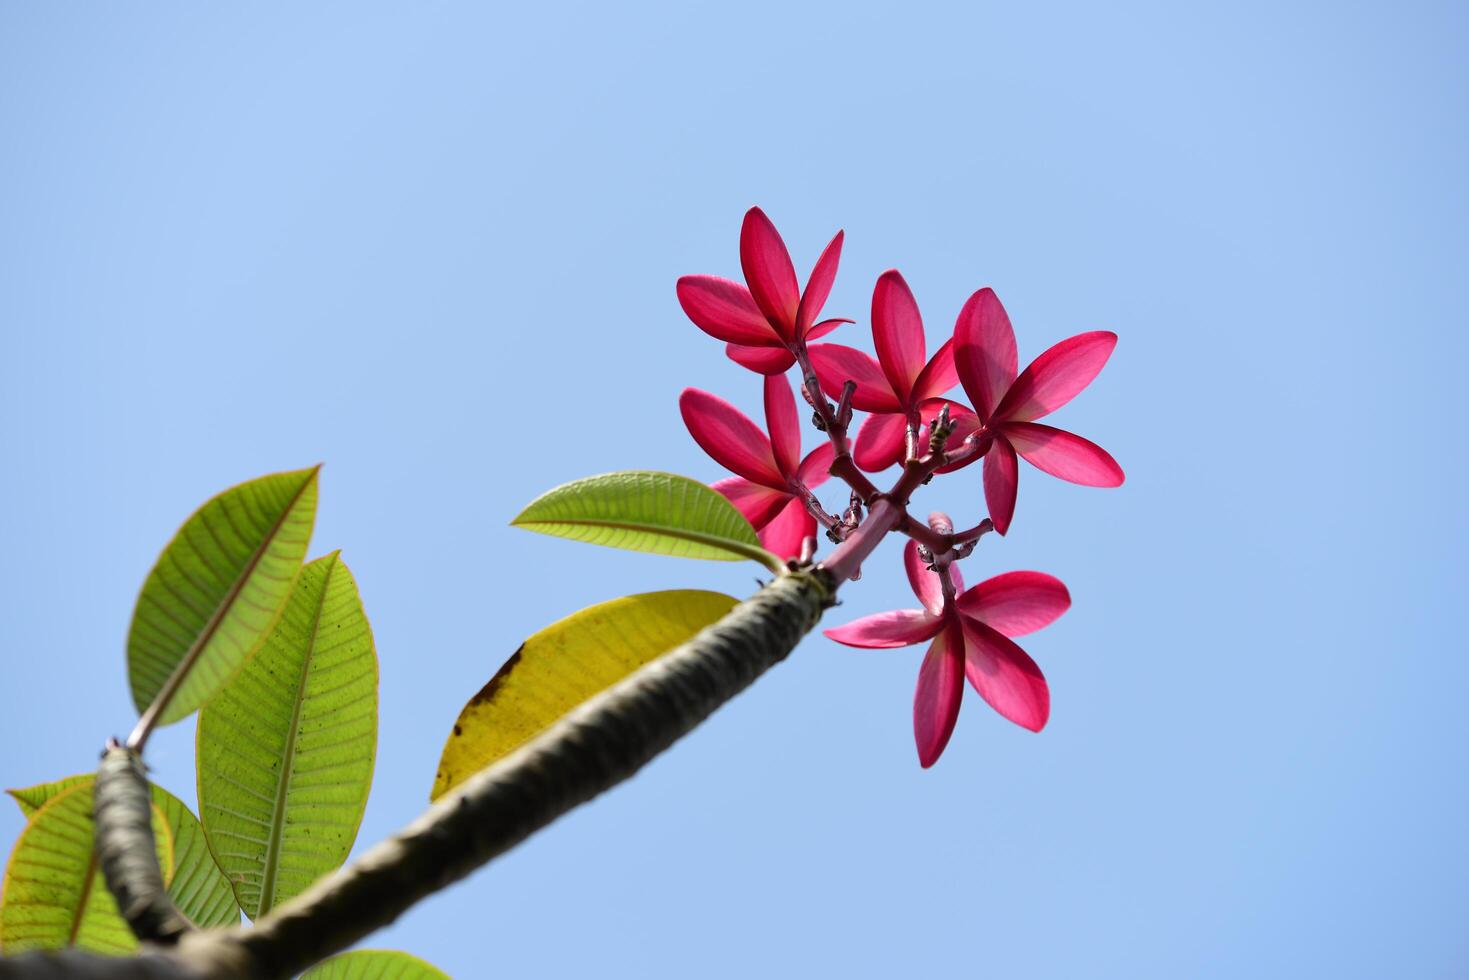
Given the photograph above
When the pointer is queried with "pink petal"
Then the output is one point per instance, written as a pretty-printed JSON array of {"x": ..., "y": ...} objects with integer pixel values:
[
  {"x": 887, "y": 630},
  {"x": 759, "y": 504},
  {"x": 1001, "y": 479},
  {"x": 938, "y": 375},
  {"x": 984, "y": 351},
  {"x": 835, "y": 365},
  {"x": 762, "y": 360},
  {"x": 826, "y": 326},
  {"x": 724, "y": 309},
  {"x": 1016, "y": 603},
  {"x": 1005, "y": 676},
  {"x": 1064, "y": 454},
  {"x": 768, "y": 271},
  {"x": 816, "y": 467},
  {"x": 880, "y": 442},
  {"x": 818, "y": 287},
  {"x": 897, "y": 330},
  {"x": 788, "y": 530},
  {"x": 926, "y": 584},
  {"x": 783, "y": 422},
  {"x": 1057, "y": 376},
  {"x": 940, "y": 688},
  {"x": 735, "y": 442}
]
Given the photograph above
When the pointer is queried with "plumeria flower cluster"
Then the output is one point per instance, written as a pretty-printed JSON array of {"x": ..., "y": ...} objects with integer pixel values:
[{"x": 912, "y": 422}]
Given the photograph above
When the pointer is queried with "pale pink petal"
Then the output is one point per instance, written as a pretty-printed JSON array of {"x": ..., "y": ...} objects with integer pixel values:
[
  {"x": 1064, "y": 454},
  {"x": 1057, "y": 376},
  {"x": 769, "y": 273},
  {"x": 926, "y": 585},
  {"x": 735, "y": 442},
  {"x": 887, "y": 630},
  {"x": 762, "y": 360},
  {"x": 897, "y": 330},
  {"x": 818, "y": 287},
  {"x": 724, "y": 309},
  {"x": 835, "y": 365},
  {"x": 816, "y": 467},
  {"x": 783, "y": 422},
  {"x": 880, "y": 442},
  {"x": 938, "y": 375},
  {"x": 1001, "y": 479},
  {"x": 788, "y": 529},
  {"x": 940, "y": 689},
  {"x": 1016, "y": 603},
  {"x": 826, "y": 326},
  {"x": 1005, "y": 676},
  {"x": 759, "y": 504},
  {"x": 984, "y": 351}
]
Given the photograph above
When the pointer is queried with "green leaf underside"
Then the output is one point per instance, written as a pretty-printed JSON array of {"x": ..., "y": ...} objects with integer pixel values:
[
  {"x": 195, "y": 883},
  {"x": 374, "y": 964},
  {"x": 286, "y": 751},
  {"x": 54, "y": 895},
  {"x": 216, "y": 590},
  {"x": 565, "y": 664},
  {"x": 647, "y": 511}
]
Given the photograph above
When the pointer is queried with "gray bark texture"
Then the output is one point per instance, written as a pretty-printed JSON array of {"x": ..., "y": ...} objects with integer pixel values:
[{"x": 591, "y": 749}]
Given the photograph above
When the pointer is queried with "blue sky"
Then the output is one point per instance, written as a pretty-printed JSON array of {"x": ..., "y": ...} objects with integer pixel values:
[{"x": 434, "y": 247}]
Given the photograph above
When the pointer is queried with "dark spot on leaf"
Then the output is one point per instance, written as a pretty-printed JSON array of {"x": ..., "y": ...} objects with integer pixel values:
[
  {"x": 458, "y": 730},
  {"x": 487, "y": 693}
]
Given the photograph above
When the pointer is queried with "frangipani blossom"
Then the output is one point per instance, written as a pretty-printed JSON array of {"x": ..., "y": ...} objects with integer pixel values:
[
  {"x": 970, "y": 637},
  {"x": 764, "y": 323},
  {"x": 1007, "y": 406},
  {"x": 896, "y": 388},
  {"x": 770, "y": 469}
]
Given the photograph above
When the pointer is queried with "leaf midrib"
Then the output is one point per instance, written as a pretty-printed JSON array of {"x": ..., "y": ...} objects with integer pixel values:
[
  {"x": 288, "y": 759},
  {"x": 753, "y": 552}
]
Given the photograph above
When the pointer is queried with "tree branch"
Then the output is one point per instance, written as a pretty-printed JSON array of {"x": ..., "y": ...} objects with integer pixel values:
[{"x": 591, "y": 749}]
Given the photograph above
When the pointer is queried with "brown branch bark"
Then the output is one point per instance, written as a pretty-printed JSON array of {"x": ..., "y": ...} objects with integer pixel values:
[{"x": 593, "y": 748}]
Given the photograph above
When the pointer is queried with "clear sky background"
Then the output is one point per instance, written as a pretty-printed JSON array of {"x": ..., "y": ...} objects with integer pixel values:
[{"x": 435, "y": 247}]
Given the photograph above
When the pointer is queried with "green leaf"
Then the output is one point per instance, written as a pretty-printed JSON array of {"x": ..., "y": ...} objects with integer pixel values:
[
  {"x": 54, "y": 895},
  {"x": 195, "y": 883},
  {"x": 216, "y": 591},
  {"x": 374, "y": 964},
  {"x": 646, "y": 511},
  {"x": 565, "y": 664},
  {"x": 285, "y": 752}
]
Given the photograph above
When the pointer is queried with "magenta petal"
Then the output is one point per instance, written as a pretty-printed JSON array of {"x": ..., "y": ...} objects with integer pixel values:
[
  {"x": 926, "y": 585},
  {"x": 1001, "y": 479},
  {"x": 940, "y": 688},
  {"x": 818, "y": 287},
  {"x": 735, "y": 442},
  {"x": 835, "y": 365},
  {"x": 759, "y": 504},
  {"x": 783, "y": 422},
  {"x": 768, "y": 271},
  {"x": 887, "y": 630},
  {"x": 787, "y": 531},
  {"x": 879, "y": 442},
  {"x": 762, "y": 360},
  {"x": 938, "y": 375},
  {"x": 1016, "y": 603},
  {"x": 825, "y": 327},
  {"x": 984, "y": 351},
  {"x": 725, "y": 309},
  {"x": 1057, "y": 376},
  {"x": 897, "y": 330},
  {"x": 816, "y": 467},
  {"x": 1064, "y": 454},
  {"x": 1005, "y": 676}
]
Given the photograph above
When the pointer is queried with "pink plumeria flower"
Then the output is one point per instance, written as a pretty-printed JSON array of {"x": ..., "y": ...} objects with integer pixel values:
[
  {"x": 970, "y": 638},
  {"x": 896, "y": 388},
  {"x": 770, "y": 469},
  {"x": 1007, "y": 406},
  {"x": 765, "y": 323}
]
